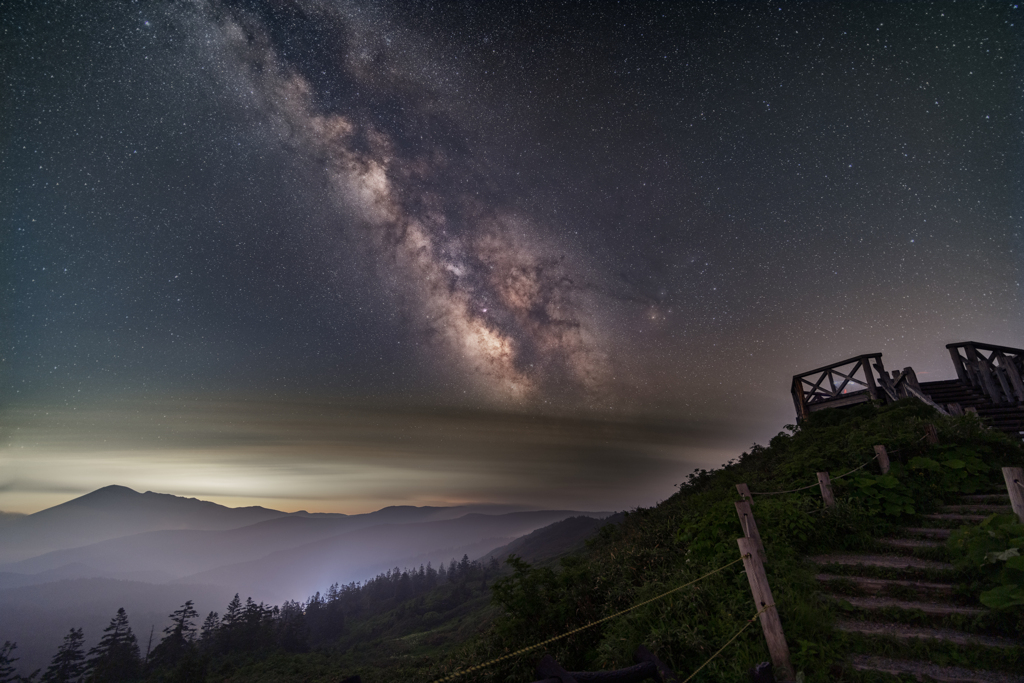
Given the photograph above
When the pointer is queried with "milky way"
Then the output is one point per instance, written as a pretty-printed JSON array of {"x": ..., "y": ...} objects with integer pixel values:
[{"x": 486, "y": 289}]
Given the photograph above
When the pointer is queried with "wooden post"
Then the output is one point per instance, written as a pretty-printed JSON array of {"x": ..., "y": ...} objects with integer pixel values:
[
  {"x": 749, "y": 527},
  {"x": 883, "y": 458},
  {"x": 1014, "y": 478},
  {"x": 770, "y": 622},
  {"x": 744, "y": 492},
  {"x": 931, "y": 435},
  {"x": 826, "y": 489}
]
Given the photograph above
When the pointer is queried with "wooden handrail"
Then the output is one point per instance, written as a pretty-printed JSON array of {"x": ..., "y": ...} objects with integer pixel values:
[
  {"x": 999, "y": 375},
  {"x": 808, "y": 395}
]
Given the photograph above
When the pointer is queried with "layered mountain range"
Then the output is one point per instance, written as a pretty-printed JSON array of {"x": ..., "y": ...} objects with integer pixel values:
[{"x": 74, "y": 564}]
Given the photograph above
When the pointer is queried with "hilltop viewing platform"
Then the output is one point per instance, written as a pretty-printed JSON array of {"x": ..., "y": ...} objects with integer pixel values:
[{"x": 988, "y": 382}]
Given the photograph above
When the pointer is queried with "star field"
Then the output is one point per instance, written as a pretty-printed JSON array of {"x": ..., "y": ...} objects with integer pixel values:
[{"x": 660, "y": 210}]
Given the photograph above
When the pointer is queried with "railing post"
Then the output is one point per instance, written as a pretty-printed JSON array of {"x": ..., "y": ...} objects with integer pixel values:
[
  {"x": 958, "y": 363},
  {"x": 883, "y": 458},
  {"x": 744, "y": 492},
  {"x": 799, "y": 400},
  {"x": 999, "y": 369},
  {"x": 749, "y": 527},
  {"x": 870, "y": 378},
  {"x": 770, "y": 622},
  {"x": 1014, "y": 478},
  {"x": 1013, "y": 375},
  {"x": 826, "y": 489}
]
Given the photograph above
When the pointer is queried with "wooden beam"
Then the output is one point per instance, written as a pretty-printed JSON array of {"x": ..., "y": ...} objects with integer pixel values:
[
  {"x": 1014, "y": 478},
  {"x": 643, "y": 655},
  {"x": 771, "y": 625},
  {"x": 548, "y": 667},
  {"x": 826, "y": 489},
  {"x": 931, "y": 435},
  {"x": 882, "y": 456},
  {"x": 749, "y": 527}
]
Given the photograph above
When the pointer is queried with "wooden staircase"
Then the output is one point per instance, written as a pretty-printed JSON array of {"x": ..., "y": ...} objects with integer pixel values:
[
  {"x": 1004, "y": 417},
  {"x": 905, "y": 598}
]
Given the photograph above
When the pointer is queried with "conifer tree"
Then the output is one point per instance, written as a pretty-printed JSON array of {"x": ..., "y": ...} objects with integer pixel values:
[
  {"x": 210, "y": 626},
  {"x": 68, "y": 665},
  {"x": 178, "y": 639},
  {"x": 7, "y": 662},
  {"x": 233, "y": 613},
  {"x": 116, "y": 658}
]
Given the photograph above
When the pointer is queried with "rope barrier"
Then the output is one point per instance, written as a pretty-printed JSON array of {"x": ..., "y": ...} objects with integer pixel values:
[
  {"x": 815, "y": 485},
  {"x": 854, "y": 469},
  {"x": 729, "y": 642},
  {"x": 524, "y": 650}
]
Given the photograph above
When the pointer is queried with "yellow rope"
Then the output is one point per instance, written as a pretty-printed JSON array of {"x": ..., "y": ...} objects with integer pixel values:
[
  {"x": 524, "y": 650},
  {"x": 804, "y": 488},
  {"x": 729, "y": 642}
]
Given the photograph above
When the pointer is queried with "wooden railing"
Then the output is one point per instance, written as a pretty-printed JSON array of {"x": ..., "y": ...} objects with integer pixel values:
[
  {"x": 904, "y": 384},
  {"x": 847, "y": 382},
  {"x": 996, "y": 371}
]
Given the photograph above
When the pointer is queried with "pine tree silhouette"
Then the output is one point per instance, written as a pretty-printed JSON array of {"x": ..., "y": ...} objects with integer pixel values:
[
  {"x": 178, "y": 639},
  {"x": 68, "y": 665},
  {"x": 116, "y": 658},
  {"x": 7, "y": 674}
]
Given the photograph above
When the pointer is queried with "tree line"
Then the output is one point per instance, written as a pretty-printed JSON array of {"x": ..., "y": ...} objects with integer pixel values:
[{"x": 249, "y": 629}]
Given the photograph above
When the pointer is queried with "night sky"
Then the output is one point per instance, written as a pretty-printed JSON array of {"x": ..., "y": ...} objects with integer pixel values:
[{"x": 572, "y": 246}]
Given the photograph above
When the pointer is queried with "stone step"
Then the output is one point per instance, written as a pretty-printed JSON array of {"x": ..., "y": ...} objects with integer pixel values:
[
  {"x": 910, "y": 543},
  {"x": 978, "y": 507},
  {"x": 886, "y": 561},
  {"x": 928, "y": 671},
  {"x": 934, "y": 609},
  {"x": 876, "y": 586},
  {"x": 906, "y": 632},
  {"x": 928, "y": 533}
]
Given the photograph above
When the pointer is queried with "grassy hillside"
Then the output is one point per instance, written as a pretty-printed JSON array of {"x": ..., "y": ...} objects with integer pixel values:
[{"x": 695, "y": 531}]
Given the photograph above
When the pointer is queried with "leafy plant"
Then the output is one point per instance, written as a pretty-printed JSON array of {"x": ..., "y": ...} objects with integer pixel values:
[
  {"x": 882, "y": 493},
  {"x": 995, "y": 548}
]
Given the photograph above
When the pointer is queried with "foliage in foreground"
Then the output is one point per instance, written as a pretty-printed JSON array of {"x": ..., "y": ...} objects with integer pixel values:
[{"x": 695, "y": 532}]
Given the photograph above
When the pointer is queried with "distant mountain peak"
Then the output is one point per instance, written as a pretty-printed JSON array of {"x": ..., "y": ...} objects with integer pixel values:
[{"x": 112, "y": 492}]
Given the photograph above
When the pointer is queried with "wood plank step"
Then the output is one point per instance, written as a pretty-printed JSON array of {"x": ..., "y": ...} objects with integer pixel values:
[
  {"x": 928, "y": 533},
  {"x": 928, "y": 671},
  {"x": 911, "y": 543},
  {"x": 905, "y": 632},
  {"x": 956, "y": 517},
  {"x": 888, "y": 561},
  {"x": 937, "y": 609},
  {"x": 875, "y": 586},
  {"x": 1002, "y": 498}
]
